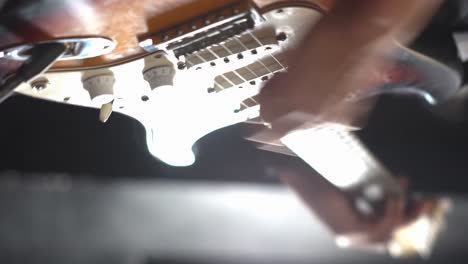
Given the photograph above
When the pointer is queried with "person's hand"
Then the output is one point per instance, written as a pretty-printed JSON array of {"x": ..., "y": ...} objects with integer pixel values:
[
  {"x": 393, "y": 232},
  {"x": 345, "y": 55},
  {"x": 337, "y": 211},
  {"x": 308, "y": 96}
]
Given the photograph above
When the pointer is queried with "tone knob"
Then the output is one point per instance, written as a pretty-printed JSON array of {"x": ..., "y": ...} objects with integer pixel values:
[
  {"x": 100, "y": 86},
  {"x": 159, "y": 71}
]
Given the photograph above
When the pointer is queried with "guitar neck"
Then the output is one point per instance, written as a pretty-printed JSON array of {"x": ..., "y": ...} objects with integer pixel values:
[
  {"x": 331, "y": 149},
  {"x": 335, "y": 153}
]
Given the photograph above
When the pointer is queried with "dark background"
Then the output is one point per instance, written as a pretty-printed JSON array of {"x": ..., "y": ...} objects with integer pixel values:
[
  {"x": 48, "y": 142},
  {"x": 44, "y": 137},
  {"x": 73, "y": 190}
]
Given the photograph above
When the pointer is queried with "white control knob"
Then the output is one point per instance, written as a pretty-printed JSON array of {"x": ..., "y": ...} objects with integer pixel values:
[
  {"x": 100, "y": 85},
  {"x": 159, "y": 71},
  {"x": 160, "y": 76}
]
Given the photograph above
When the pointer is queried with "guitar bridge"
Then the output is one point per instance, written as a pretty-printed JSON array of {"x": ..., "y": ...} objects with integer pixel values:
[
  {"x": 211, "y": 36},
  {"x": 206, "y": 31}
]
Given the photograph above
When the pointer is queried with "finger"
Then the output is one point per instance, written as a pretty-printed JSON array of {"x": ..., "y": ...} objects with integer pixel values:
[
  {"x": 416, "y": 208},
  {"x": 419, "y": 207},
  {"x": 403, "y": 182},
  {"x": 274, "y": 98},
  {"x": 383, "y": 230}
]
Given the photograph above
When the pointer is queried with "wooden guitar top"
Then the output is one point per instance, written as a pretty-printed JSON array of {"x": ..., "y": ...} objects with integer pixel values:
[{"x": 122, "y": 21}]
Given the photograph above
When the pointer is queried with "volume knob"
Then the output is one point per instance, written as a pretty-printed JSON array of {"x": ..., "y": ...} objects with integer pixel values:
[
  {"x": 160, "y": 76},
  {"x": 100, "y": 86},
  {"x": 158, "y": 71}
]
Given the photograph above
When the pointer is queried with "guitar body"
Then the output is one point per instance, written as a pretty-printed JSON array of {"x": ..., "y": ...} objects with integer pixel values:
[
  {"x": 200, "y": 100},
  {"x": 186, "y": 68},
  {"x": 182, "y": 68},
  {"x": 122, "y": 21}
]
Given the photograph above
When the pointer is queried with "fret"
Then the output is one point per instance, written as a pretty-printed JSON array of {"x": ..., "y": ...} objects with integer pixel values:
[{"x": 235, "y": 45}]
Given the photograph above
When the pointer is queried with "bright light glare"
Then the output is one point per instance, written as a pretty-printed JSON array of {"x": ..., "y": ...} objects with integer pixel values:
[
  {"x": 417, "y": 237},
  {"x": 146, "y": 43},
  {"x": 259, "y": 201},
  {"x": 178, "y": 116},
  {"x": 82, "y": 11},
  {"x": 343, "y": 241},
  {"x": 169, "y": 153},
  {"x": 420, "y": 232},
  {"x": 329, "y": 151}
]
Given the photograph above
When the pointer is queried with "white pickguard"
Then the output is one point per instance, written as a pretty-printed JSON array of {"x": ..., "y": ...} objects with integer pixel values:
[{"x": 176, "y": 117}]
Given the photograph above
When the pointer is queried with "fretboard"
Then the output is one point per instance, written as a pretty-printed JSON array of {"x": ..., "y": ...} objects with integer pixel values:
[{"x": 336, "y": 154}]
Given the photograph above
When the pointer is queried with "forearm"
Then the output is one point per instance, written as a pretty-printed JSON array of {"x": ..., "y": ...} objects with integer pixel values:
[
  {"x": 352, "y": 25},
  {"x": 342, "y": 55},
  {"x": 328, "y": 203}
]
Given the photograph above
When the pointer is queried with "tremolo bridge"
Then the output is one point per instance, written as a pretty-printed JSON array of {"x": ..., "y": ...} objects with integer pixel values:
[{"x": 205, "y": 31}]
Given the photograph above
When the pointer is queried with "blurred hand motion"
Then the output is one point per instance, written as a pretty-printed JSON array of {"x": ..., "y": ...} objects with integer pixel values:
[
  {"x": 344, "y": 56},
  {"x": 407, "y": 227},
  {"x": 306, "y": 74}
]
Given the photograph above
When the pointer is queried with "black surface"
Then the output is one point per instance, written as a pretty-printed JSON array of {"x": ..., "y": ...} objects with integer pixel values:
[
  {"x": 46, "y": 138},
  {"x": 49, "y": 137},
  {"x": 415, "y": 142},
  {"x": 41, "y": 139}
]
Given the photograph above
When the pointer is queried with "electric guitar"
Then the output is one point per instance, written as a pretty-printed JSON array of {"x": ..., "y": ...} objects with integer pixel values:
[{"x": 187, "y": 68}]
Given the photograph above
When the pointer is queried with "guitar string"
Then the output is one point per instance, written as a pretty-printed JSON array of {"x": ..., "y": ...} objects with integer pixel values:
[
  {"x": 216, "y": 83},
  {"x": 247, "y": 67},
  {"x": 257, "y": 60},
  {"x": 261, "y": 44},
  {"x": 191, "y": 64},
  {"x": 267, "y": 68},
  {"x": 202, "y": 59},
  {"x": 237, "y": 74},
  {"x": 245, "y": 47},
  {"x": 351, "y": 140},
  {"x": 236, "y": 70},
  {"x": 244, "y": 79}
]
